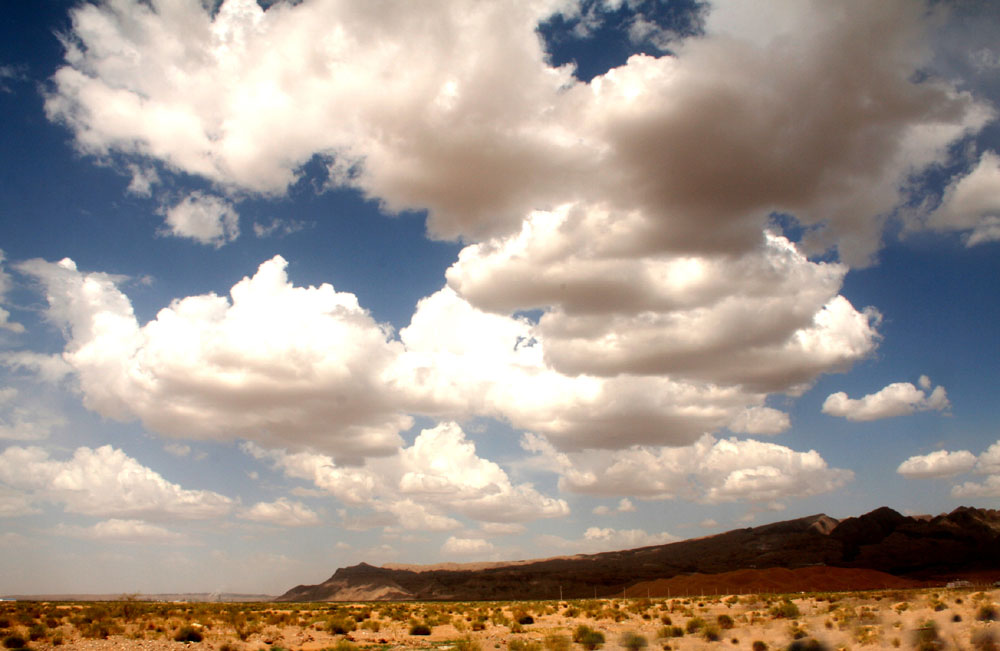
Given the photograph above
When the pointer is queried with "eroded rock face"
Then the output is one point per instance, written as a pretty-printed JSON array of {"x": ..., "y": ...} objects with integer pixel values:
[{"x": 966, "y": 539}]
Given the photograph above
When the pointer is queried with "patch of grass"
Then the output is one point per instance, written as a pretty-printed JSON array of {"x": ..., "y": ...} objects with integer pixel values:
[
  {"x": 987, "y": 613},
  {"x": 694, "y": 625},
  {"x": 785, "y": 610},
  {"x": 521, "y": 644},
  {"x": 633, "y": 641},
  {"x": 420, "y": 629},
  {"x": 588, "y": 638},
  {"x": 188, "y": 634}
]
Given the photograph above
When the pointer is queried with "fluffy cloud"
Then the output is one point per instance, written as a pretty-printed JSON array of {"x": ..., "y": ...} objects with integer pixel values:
[
  {"x": 244, "y": 97},
  {"x": 769, "y": 319},
  {"x": 598, "y": 539},
  {"x": 105, "y": 482},
  {"x": 460, "y": 359},
  {"x": 972, "y": 203},
  {"x": 274, "y": 363},
  {"x": 988, "y": 488},
  {"x": 204, "y": 218},
  {"x": 308, "y": 367},
  {"x": 937, "y": 464},
  {"x": 944, "y": 463},
  {"x": 423, "y": 485},
  {"x": 897, "y": 399},
  {"x": 124, "y": 531},
  {"x": 709, "y": 471},
  {"x": 281, "y": 512},
  {"x": 467, "y": 546},
  {"x": 988, "y": 462}
]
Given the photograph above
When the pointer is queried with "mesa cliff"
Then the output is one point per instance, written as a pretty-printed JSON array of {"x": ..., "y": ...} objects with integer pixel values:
[{"x": 883, "y": 542}]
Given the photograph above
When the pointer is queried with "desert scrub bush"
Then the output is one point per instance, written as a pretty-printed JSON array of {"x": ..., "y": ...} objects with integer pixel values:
[
  {"x": 420, "y": 629},
  {"x": 867, "y": 634},
  {"x": 987, "y": 613},
  {"x": 694, "y": 624},
  {"x": 711, "y": 633},
  {"x": 188, "y": 634},
  {"x": 525, "y": 619},
  {"x": 810, "y": 644},
  {"x": 466, "y": 644},
  {"x": 633, "y": 641},
  {"x": 14, "y": 642},
  {"x": 556, "y": 642},
  {"x": 341, "y": 625},
  {"x": 759, "y": 645},
  {"x": 669, "y": 631},
  {"x": 725, "y": 622},
  {"x": 785, "y": 610},
  {"x": 521, "y": 644},
  {"x": 587, "y": 637},
  {"x": 926, "y": 638}
]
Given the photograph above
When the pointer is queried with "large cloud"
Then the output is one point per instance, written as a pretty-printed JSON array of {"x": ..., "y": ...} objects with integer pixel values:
[
  {"x": 105, "y": 482},
  {"x": 308, "y": 367},
  {"x": 768, "y": 320},
  {"x": 454, "y": 107},
  {"x": 937, "y": 464},
  {"x": 424, "y": 484},
  {"x": 944, "y": 463},
  {"x": 897, "y": 399},
  {"x": 709, "y": 471},
  {"x": 275, "y": 363},
  {"x": 972, "y": 203}
]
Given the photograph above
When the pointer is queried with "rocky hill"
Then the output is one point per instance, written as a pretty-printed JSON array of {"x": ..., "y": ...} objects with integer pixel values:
[{"x": 927, "y": 548}]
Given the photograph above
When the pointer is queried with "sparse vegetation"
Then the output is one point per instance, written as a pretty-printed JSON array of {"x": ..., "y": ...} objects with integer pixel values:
[
  {"x": 633, "y": 641},
  {"x": 845, "y": 622}
]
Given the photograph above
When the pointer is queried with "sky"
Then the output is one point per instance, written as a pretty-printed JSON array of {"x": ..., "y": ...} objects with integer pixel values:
[{"x": 287, "y": 286}]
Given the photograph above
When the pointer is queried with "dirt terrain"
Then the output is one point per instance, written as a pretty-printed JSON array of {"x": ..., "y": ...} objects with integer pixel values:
[{"x": 927, "y": 618}]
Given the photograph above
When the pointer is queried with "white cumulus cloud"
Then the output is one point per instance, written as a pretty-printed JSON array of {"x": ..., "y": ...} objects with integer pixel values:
[
  {"x": 709, "y": 471},
  {"x": 244, "y": 97},
  {"x": 897, "y": 399},
  {"x": 944, "y": 463},
  {"x": 972, "y": 203},
  {"x": 937, "y": 464},
  {"x": 603, "y": 539},
  {"x": 105, "y": 482},
  {"x": 467, "y": 546},
  {"x": 282, "y": 512},
  {"x": 423, "y": 485},
  {"x": 204, "y": 218}
]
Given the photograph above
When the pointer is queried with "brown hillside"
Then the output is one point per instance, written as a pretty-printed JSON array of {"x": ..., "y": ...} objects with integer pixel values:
[{"x": 818, "y": 578}]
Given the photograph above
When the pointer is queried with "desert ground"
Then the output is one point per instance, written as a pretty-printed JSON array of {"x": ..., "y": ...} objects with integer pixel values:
[{"x": 927, "y": 619}]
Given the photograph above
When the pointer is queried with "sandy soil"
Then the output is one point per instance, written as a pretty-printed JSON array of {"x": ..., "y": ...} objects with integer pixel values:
[{"x": 886, "y": 619}]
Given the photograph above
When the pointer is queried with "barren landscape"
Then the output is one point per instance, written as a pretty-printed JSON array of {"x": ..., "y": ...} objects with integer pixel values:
[{"x": 925, "y": 619}]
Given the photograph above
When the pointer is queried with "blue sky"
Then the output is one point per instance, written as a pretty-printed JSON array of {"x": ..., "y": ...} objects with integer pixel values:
[{"x": 290, "y": 286}]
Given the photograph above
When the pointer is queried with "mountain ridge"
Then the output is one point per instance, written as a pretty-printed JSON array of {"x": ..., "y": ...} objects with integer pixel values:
[{"x": 883, "y": 540}]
